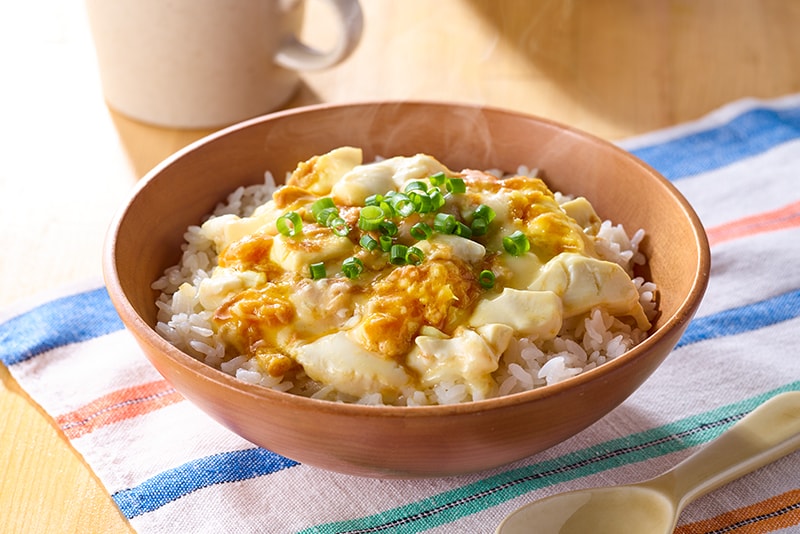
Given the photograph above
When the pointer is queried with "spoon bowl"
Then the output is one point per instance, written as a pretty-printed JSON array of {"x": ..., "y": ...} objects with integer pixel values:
[{"x": 769, "y": 432}]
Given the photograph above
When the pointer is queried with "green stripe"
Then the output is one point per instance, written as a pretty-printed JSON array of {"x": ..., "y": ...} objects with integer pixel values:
[{"x": 449, "y": 506}]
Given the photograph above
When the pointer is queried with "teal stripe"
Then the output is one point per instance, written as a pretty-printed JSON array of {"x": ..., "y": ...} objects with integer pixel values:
[{"x": 449, "y": 506}]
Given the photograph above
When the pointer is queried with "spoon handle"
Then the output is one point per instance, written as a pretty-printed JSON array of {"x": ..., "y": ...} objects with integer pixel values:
[{"x": 769, "y": 432}]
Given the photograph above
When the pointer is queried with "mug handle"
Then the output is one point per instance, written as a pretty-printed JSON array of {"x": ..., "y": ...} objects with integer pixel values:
[{"x": 296, "y": 55}]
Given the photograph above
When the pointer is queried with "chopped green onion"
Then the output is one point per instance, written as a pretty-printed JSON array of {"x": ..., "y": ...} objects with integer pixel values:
[
  {"x": 385, "y": 242},
  {"x": 455, "y": 185},
  {"x": 389, "y": 228},
  {"x": 397, "y": 254},
  {"x": 373, "y": 200},
  {"x": 415, "y": 185},
  {"x": 388, "y": 210},
  {"x": 321, "y": 204},
  {"x": 352, "y": 267},
  {"x": 317, "y": 270},
  {"x": 290, "y": 224},
  {"x": 479, "y": 226},
  {"x": 370, "y": 218},
  {"x": 462, "y": 230},
  {"x": 368, "y": 242},
  {"x": 438, "y": 178},
  {"x": 414, "y": 256},
  {"x": 444, "y": 223},
  {"x": 339, "y": 226},
  {"x": 484, "y": 212},
  {"x": 402, "y": 204},
  {"x": 421, "y": 231},
  {"x": 486, "y": 279},
  {"x": 516, "y": 244},
  {"x": 421, "y": 201},
  {"x": 437, "y": 199},
  {"x": 326, "y": 215}
]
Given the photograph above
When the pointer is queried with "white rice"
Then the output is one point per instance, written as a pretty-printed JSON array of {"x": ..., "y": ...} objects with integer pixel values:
[{"x": 582, "y": 345}]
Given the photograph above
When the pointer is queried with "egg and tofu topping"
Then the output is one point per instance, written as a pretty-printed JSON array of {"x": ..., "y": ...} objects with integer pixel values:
[{"x": 400, "y": 274}]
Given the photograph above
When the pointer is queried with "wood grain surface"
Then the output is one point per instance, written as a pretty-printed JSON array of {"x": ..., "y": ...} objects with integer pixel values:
[{"x": 615, "y": 68}]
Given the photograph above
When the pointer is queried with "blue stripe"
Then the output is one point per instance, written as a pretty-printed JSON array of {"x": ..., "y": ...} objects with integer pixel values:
[
  {"x": 743, "y": 319},
  {"x": 201, "y": 473},
  {"x": 749, "y": 134},
  {"x": 64, "y": 321}
]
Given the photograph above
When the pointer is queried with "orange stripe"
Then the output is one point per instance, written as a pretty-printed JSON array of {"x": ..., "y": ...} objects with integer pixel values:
[
  {"x": 118, "y": 406},
  {"x": 781, "y": 511},
  {"x": 769, "y": 221}
]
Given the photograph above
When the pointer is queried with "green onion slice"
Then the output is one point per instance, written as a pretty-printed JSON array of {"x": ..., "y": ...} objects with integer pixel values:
[
  {"x": 479, "y": 226},
  {"x": 402, "y": 204},
  {"x": 438, "y": 179},
  {"x": 370, "y": 217},
  {"x": 290, "y": 224},
  {"x": 389, "y": 228},
  {"x": 456, "y": 185},
  {"x": 373, "y": 200},
  {"x": 462, "y": 230},
  {"x": 397, "y": 254},
  {"x": 486, "y": 279},
  {"x": 352, "y": 267},
  {"x": 385, "y": 243},
  {"x": 422, "y": 201},
  {"x": 414, "y": 256},
  {"x": 368, "y": 242},
  {"x": 444, "y": 223},
  {"x": 326, "y": 215},
  {"x": 321, "y": 204},
  {"x": 516, "y": 244},
  {"x": 387, "y": 209},
  {"x": 317, "y": 270},
  {"x": 484, "y": 212},
  {"x": 415, "y": 185},
  {"x": 437, "y": 199},
  {"x": 421, "y": 231},
  {"x": 339, "y": 226}
]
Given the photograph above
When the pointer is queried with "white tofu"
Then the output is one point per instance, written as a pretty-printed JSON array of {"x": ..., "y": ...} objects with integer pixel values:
[
  {"x": 213, "y": 291},
  {"x": 226, "y": 229},
  {"x": 361, "y": 182},
  {"x": 469, "y": 358},
  {"x": 461, "y": 247},
  {"x": 339, "y": 361},
  {"x": 535, "y": 314},
  {"x": 582, "y": 211},
  {"x": 584, "y": 283},
  {"x": 331, "y": 167},
  {"x": 296, "y": 255},
  {"x": 380, "y": 177}
]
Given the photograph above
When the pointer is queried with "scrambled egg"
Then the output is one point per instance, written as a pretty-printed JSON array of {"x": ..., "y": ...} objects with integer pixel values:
[{"x": 449, "y": 314}]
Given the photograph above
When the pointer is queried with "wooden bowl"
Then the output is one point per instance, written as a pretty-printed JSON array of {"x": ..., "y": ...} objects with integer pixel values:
[{"x": 407, "y": 442}]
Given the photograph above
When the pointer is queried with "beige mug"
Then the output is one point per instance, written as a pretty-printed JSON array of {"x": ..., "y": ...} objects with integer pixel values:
[{"x": 208, "y": 63}]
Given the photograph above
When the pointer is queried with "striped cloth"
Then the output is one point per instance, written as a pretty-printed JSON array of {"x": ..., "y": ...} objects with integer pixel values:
[{"x": 171, "y": 469}]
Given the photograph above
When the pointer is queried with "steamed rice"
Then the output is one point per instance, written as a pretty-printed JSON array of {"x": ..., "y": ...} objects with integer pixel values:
[{"x": 581, "y": 345}]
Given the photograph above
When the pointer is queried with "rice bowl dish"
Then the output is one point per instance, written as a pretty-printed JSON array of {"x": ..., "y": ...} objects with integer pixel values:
[
  {"x": 494, "y": 285},
  {"x": 409, "y": 441}
]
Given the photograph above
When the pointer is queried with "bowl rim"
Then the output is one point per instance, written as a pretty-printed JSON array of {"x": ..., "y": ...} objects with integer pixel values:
[{"x": 133, "y": 321}]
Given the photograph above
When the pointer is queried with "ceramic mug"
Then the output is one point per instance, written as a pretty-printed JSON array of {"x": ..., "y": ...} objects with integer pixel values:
[{"x": 208, "y": 63}]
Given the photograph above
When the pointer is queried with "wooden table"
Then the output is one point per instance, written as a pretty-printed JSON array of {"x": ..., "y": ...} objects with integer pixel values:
[{"x": 614, "y": 68}]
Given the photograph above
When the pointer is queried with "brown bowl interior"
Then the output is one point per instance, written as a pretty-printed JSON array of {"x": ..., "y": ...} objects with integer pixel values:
[{"x": 390, "y": 441}]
